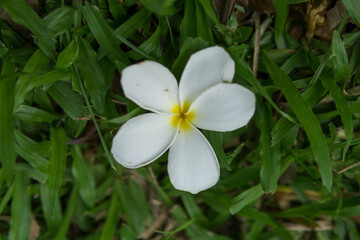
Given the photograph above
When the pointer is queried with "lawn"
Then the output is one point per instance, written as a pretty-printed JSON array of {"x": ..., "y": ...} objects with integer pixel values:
[{"x": 276, "y": 157}]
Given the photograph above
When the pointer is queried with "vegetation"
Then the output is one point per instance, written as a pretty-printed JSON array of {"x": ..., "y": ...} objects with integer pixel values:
[{"x": 292, "y": 173}]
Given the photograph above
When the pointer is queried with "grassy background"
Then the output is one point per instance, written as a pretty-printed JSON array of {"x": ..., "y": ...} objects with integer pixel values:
[{"x": 292, "y": 173}]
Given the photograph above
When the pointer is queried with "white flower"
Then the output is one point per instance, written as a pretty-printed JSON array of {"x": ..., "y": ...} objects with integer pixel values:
[{"x": 205, "y": 99}]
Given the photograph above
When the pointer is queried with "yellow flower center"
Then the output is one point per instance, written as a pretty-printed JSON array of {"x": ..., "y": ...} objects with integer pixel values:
[{"x": 182, "y": 116}]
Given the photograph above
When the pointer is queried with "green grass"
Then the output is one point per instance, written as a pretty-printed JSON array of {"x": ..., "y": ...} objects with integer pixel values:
[{"x": 292, "y": 173}]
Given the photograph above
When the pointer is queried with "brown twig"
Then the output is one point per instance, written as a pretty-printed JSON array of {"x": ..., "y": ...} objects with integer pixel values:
[
  {"x": 349, "y": 167},
  {"x": 257, "y": 43},
  {"x": 159, "y": 221}
]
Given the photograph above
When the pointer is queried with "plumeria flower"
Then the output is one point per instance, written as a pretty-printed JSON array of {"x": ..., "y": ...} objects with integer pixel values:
[{"x": 205, "y": 99}]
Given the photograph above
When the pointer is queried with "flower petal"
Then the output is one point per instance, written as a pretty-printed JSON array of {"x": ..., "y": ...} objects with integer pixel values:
[
  {"x": 203, "y": 70},
  {"x": 143, "y": 139},
  {"x": 224, "y": 107},
  {"x": 150, "y": 85},
  {"x": 193, "y": 165}
]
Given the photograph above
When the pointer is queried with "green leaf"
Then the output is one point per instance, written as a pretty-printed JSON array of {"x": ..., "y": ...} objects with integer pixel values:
[
  {"x": 339, "y": 98},
  {"x": 117, "y": 9},
  {"x": 27, "y": 113},
  {"x": 341, "y": 63},
  {"x": 342, "y": 107},
  {"x": 136, "y": 21},
  {"x": 6, "y": 198},
  {"x": 7, "y": 140},
  {"x": 20, "y": 208},
  {"x": 30, "y": 171},
  {"x": 203, "y": 27},
  {"x": 160, "y": 7},
  {"x": 53, "y": 218},
  {"x": 281, "y": 17},
  {"x": 245, "y": 198},
  {"x": 241, "y": 177},
  {"x": 307, "y": 119},
  {"x": 216, "y": 141},
  {"x": 242, "y": 34},
  {"x": 103, "y": 34},
  {"x": 293, "y": 61},
  {"x": 353, "y": 8},
  {"x": 36, "y": 64},
  {"x": 92, "y": 74},
  {"x": 297, "y": 1},
  {"x": 255, "y": 231},
  {"x": 70, "y": 209},
  {"x": 135, "y": 205},
  {"x": 23, "y": 14},
  {"x": 209, "y": 9},
  {"x": 269, "y": 155},
  {"x": 70, "y": 102},
  {"x": 60, "y": 20},
  {"x": 68, "y": 55},
  {"x": 34, "y": 159},
  {"x": 83, "y": 177},
  {"x": 192, "y": 208},
  {"x": 127, "y": 233},
  {"x": 126, "y": 117},
  {"x": 152, "y": 43},
  {"x": 41, "y": 148},
  {"x": 188, "y": 26},
  {"x": 3, "y": 49},
  {"x": 243, "y": 71},
  {"x": 56, "y": 168},
  {"x": 113, "y": 215},
  {"x": 195, "y": 23}
]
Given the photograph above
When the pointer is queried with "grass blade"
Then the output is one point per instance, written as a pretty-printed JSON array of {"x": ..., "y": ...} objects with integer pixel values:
[
  {"x": 245, "y": 198},
  {"x": 188, "y": 27},
  {"x": 281, "y": 17},
  {"x": 68, "y": 55},
  {"x": 32, "y": 114},
  {"x": 6, "y": 198},
  {"x": 92, "y": 74},
  {"x": 124, "y": 118},
  {"x": 341, "y": 63},
  {"x": 136, "y": 21},
  {"x": 23, "y": 14},
  {"x": 269, "y": 155},
  {"x": 113, "y": 215},
  {"x": 353, "y": 7},
  {"x": 83, "y": 177},
  {"x": 20, "y": 208},
  {"x": 7, "y": 139},
  {"x": 35, "y": 160},
  {"x": 60, "y": 20},
  {"x": 36, "y": 64},
  {"x": 65, "y": 224},
  {"x": 307, "y": 119},
  {"x": 104, "y": 34},
  {"x": 339, "y": 98},
  {"x": 56, "y": 168},
  {"x": 216, "y": 141},
  {"x": 53, "y": 220},
  {"x": 243, "y": 71},
  {"x": 69, "y": 101}
]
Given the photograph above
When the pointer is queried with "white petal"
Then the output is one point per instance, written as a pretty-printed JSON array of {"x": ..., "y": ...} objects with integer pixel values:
[
  {"x": 203, "y": 70},
  {"x": 150, "y": 85},
  {"x": 143, "y": 139},
  {"x": 224, "y": 107},
  {"x": 193, "y": 166}
]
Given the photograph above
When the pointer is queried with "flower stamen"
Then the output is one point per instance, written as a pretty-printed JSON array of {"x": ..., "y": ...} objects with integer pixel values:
[{"x": 182, "y": 116}]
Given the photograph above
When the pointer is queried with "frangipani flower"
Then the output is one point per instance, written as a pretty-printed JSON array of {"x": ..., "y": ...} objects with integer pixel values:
[{"x": 204, "y": 99}]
